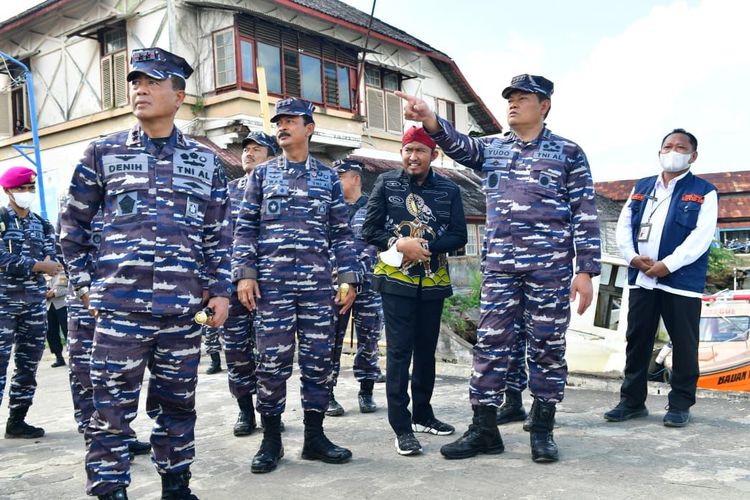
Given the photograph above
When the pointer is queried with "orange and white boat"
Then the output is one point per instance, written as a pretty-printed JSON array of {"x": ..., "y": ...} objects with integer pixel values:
[{"x": 724, "y": 348}]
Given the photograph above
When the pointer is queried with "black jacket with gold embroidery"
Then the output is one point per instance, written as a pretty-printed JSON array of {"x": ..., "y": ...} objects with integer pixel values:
[{"x": 433, "y": 211}]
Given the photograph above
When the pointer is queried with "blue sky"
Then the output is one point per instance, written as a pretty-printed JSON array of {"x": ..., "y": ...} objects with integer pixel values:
[{"x": 625, "y": 72}]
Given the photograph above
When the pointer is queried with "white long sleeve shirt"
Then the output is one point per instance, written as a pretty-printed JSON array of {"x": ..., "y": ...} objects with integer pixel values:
[{"x": 655, "y": 212}]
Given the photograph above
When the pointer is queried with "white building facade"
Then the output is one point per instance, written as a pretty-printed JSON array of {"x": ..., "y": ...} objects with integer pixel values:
[{"x": 78, "y": 53}]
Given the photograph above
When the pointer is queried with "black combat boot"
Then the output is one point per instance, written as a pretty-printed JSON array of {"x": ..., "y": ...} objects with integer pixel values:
[
  {"x": 175, "y": 486},
  {"x": 334, "y": 408},
  {"x": 139, "y": 447},
  {"x": 245, "y": 424},
  {"x": 317, "y": 446},
  {"x": 543, "y": 447},
  {"x": 512, "y": 408},
  {"x": 271, "y": 450},
  {"x": 16, "y": 428},
  {"x": 215, "y": 366},
  {"x": 118, "y": 494},
  {"x": 482, "y": 436},
  {"x": 366, "y": 403}
]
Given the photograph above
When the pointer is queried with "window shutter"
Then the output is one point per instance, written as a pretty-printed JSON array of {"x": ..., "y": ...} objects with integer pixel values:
[
  {"x": 441, "y": 111},
  {"x": 120, "y": 83},
  {"x": 6, "y": 118},
  {"x": 106, "y": 77},
  {"x": 375, "y": 109},
  {"x": 291, "y": 73},
  {"x": 394, "y": 112},
  {"x": 332, "y": 85}
]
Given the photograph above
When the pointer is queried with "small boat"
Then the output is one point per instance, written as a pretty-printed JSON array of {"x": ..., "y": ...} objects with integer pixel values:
[{"x": 724, "y": 347}]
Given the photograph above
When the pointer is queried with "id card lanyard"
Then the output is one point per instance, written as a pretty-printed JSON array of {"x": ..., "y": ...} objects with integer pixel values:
[{"x": 644, "y": 231}]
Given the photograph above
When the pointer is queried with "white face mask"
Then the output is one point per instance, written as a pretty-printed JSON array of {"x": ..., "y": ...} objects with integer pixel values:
[
  {"x": 674, "y": 161},
  {"x": 24, "y": 199}
]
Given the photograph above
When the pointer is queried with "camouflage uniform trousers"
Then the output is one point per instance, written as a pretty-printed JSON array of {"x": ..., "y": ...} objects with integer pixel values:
[
  {"x": 368, "y": 321},
  {"x": 211, "y": 339},
  {"x": 81, "y": 327},
  {"x": 24, "y": 325},
  {"x": 124, "y": 343},
  {"x": 281, "y": 314},
  {"x": 542, "y": 296},
  {"x": 517, "y": 377},
  {"x": 239, "y": 349},
  {"x": 80, "y": 342}
]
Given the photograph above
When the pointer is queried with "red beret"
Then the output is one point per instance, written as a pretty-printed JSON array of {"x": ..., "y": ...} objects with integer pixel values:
[
  {"x": 16, "y": 177},
  {"x": 415, "y": 134}
]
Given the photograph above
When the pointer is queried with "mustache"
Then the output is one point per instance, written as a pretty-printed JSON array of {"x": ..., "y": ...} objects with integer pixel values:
[{"x": 284, "y": 134}]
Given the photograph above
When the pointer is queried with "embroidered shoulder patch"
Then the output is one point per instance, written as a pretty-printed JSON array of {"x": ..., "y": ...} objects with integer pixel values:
[
  {"x": 693, "y": 197},
  {"x": 638, "y": 197}
]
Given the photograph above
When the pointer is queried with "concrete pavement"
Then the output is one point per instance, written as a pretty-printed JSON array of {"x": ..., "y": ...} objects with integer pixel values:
[{"x": 709, "y": 459}]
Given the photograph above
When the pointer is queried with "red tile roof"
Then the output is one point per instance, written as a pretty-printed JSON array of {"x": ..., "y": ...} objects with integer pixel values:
[
  {"x": 725, "y": 182},
  {"x": 733, "y": 188}
]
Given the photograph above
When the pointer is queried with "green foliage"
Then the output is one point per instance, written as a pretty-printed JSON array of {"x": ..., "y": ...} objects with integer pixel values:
[
  {"x": 459, "y": 310},
  {"x": 721, "y": 264},
  {"x": 198, "y": 107}
]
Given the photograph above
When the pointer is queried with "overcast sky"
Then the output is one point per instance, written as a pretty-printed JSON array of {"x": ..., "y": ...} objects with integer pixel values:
[{"x": 625, "y": 72}]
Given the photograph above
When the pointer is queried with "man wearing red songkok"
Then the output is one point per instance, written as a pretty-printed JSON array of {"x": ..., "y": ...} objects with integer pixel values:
[{"x": 415, "y": 217}]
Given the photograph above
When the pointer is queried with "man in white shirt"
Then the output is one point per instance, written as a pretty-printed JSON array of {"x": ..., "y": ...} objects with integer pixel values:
[{"x": 665, "y": 233}]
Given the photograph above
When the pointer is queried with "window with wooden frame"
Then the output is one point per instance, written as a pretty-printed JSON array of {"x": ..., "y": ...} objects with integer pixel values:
[
  {"x": 472, "y": 242},
  {"x": 384, "y": 108},
  {"x": 225, "y": 65},
  {"x": 297, "y": 64},
  {"x": 446, "y": 109},
  {"x": 113, "y": 66},
  {"x": 15, "y": 116}
]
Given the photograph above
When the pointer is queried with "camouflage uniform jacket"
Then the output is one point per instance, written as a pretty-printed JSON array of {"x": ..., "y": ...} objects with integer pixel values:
[
  {"x": 166, "y": 237},
  {"x": 24, "y": 242},
  {"x": 540, "y": 199},
  {"x": 292, "y": 218},
  {"x": 236, "y": 190},
  {"x": 366, "y": 254}
]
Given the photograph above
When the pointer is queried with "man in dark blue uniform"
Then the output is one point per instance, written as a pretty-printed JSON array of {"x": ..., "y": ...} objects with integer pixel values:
[
  {"x": 541, "y": 219},
  {"x": 164, "y": 255},
  {"x": 292, "y": 218},
  {"x": 238, "y": 330},
  {"x": 27, "y": 253},
  {"x": 367, "y": 310}
]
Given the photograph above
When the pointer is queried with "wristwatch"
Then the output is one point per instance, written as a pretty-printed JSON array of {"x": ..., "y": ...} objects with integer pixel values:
[{"x": 80, "y": 292}]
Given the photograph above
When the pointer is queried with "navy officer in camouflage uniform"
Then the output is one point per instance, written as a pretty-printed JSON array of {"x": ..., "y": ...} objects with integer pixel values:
[
  {"x": 367, "y": 309},
  {"x": 238, "y": 332},
  {"x": 163, "y": 257},
  {"x": 27, "y": 253},
  {"x": 540, "y": 215},
  {"x": 293, "y": 216}
]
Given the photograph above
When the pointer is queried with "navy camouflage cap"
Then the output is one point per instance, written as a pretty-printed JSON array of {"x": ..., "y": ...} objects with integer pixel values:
[
  {"x": 293, "y": 106},
  {"x": 530, "y": 83},
  {"x": 158, "y": 64},
  {"x": 262, "y": 139},
  {"x": 348, "y": 165}
]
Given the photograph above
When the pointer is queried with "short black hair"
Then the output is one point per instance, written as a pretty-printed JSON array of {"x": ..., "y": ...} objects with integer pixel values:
[
  {"x": 307, "y": 120},
  {"x": 177, "y": 82},
  {"x": 691, "y": 137},
  {"x": 543, "y": 98}
]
